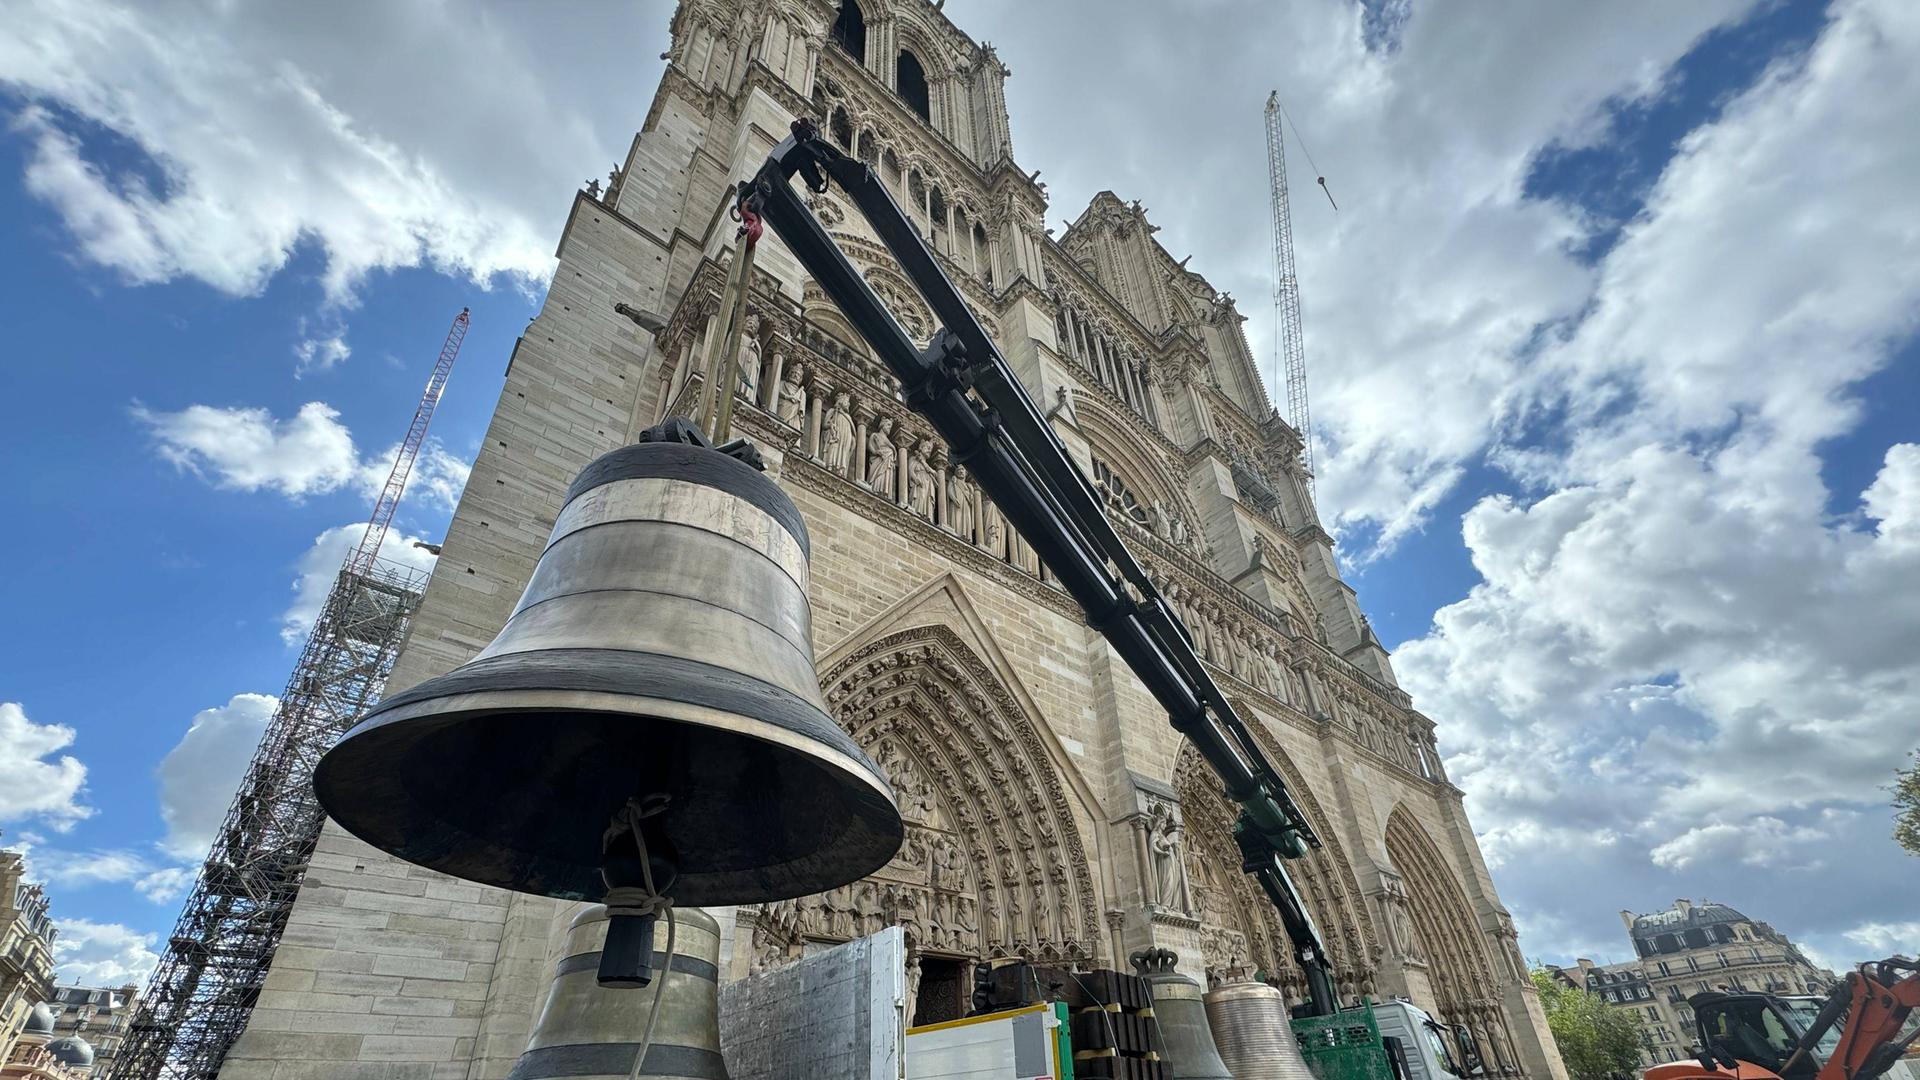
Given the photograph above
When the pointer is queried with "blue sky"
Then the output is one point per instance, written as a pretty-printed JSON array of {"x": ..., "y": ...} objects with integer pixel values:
[{"x": 1612, "y": 348}]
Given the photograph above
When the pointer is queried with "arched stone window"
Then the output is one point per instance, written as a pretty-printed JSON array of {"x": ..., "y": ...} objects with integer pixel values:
[
  {"x": 890, "y": 168},
  {"x": 1120, "y": 497},
  {"x": 841, "y": 128},
  {"x": 850, "y": 30},
  {"x": 911, "y": 79}
]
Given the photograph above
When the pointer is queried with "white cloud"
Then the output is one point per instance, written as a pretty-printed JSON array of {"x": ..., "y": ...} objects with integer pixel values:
[
  {"x": 320, "y": 353},
  {"x": 102, "y": 954},
  {"x": 1672, "y": 636},
  {"x": 320, "y": 566},
  {"x": 245, "y": 449},
  {"x": 310, "y": 453},
  {"x": 199, "y": 776},
  {"x": 31, "y": 786},
  {"x": 65, "y": 869},
  {"x": 1882, "y": 939},
  {"x": 267, "y": 130}
]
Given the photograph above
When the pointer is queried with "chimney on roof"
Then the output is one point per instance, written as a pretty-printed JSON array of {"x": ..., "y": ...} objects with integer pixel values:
[
  {"x": 1585, "y": 964},
  {"x": 1683, "y": 906},
  {"x": 1626, "y": 918}
]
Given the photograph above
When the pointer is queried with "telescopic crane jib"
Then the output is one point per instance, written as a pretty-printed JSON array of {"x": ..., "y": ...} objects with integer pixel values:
[{"x": 965, "y": 388}]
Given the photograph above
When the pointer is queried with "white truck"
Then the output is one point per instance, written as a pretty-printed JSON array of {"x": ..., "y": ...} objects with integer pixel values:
[{"x": 1423, "y": 1048}]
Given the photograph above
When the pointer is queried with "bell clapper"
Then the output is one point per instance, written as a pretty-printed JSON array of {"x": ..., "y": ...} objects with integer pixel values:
[{"x": 638, "y": 866}]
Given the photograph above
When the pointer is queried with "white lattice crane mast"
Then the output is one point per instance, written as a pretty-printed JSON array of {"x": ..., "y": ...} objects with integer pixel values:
[{"x": 1289, "y": 346}]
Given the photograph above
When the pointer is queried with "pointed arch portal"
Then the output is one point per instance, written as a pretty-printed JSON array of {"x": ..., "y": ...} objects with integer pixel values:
[
  {"x": 994, "y": 863},
  {"x": 1465, "y": 990},
  {"x": 1239, "y": 927}
]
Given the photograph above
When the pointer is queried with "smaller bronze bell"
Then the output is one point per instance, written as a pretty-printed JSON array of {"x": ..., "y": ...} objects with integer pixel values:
[
  {"x": 1254, "y": 1033},
  {"x": 1186, "y": 1040},
  {"x": 589, "y": 1033}
]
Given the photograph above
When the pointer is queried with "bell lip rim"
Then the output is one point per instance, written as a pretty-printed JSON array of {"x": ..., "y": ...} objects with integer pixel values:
[
  {"x": 895, "y": 829},
  {"x": 473, "y": 701}
]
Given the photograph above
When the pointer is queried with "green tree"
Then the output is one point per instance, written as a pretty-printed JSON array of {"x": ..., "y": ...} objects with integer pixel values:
[
  {"x": 1906, "y": 805},
  {"x": 1596, "y": 1040}
]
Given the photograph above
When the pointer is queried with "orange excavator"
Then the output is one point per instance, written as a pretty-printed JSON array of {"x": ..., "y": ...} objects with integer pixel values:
[{"x": 1860, "y": 1030}]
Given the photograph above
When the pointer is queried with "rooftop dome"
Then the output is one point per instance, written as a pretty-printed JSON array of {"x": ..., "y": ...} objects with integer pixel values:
[
  {"x": 72, "y": 1050},
  {"x": 39, "y": 1021},
  {"x": 1682, "y": 916}
]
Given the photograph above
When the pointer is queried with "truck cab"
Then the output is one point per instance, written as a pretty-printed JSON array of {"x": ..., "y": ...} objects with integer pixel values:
[{"x": 1421, "y": 1047}]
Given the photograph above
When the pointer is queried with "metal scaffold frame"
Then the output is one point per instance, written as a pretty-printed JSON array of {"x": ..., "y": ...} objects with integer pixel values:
[{"x": 204, "y": 989}]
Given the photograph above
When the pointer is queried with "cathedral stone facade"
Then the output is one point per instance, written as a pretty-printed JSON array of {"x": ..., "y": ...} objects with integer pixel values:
[{"x": 1053, "y": 813}]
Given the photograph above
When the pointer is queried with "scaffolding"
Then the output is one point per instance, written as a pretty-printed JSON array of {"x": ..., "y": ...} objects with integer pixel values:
[{"x": 207, "y": 981}]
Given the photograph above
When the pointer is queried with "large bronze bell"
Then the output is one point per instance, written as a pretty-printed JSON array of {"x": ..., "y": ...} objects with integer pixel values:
[
  {"x": 1186, "y": 1040},
  {"x": 1253, "y": 1032},
  {"x": 654, "y": 691},
  {"x": 589, "y": 1033}
]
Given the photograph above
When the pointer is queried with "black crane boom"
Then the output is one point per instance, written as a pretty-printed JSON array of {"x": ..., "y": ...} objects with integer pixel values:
[{"x": 965, "y": 388}]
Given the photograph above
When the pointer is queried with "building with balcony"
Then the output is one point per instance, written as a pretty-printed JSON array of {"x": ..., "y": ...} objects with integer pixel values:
[{"x": 26, "y": 949}]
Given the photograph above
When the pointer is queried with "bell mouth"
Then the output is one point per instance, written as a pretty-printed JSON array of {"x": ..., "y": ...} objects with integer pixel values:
[{"x": 514, "y": 786}]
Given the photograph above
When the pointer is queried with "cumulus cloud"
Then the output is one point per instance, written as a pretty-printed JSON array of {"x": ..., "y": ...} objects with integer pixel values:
[
  {"x": 309, "y": 453},
  {"x": 320, "y": 566},
  {"x": 1673, "y": 638},
  {"x": 199, "y": 776},
  {"x": 257, "y": 131},
  {"x": 249, "y": 449},
  {"x": 102, "y": 954},
  {"x": 65, "y": 869},
  {"x": 33, "y": 784}
]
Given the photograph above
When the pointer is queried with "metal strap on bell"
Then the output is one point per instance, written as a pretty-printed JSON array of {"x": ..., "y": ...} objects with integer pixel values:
[
  {"x": 1254, "y": 1033},
  {"x": 589, "y": 1033},
  {"x": 1186, "y": 1040},
  {"x": 658, "y": 667}
]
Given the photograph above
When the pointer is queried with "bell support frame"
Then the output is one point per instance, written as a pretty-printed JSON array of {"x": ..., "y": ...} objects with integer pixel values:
[{"x": 965, "y": 388}]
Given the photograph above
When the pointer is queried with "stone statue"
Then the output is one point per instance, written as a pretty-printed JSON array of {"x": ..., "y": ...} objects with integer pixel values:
[
  {"x": 1158, "y": 513},
  {"x": 1242, "y": 658},
  {"x": 1170, "y": 870},
  {"x": 946, "y": 863},
  {"x": 920, "y": 480},
  {"x": 792, "y": 404},
  {"x": 993, "y": 531},
  {"x": 866, "y": 908},
  {"x": 960, "y": 504},
  {"x": 1177, "y": 529},
  {"x": 880, "y": 461},
  {"x": 836, "y": 437},
  {"x": 750, "y": 358}
]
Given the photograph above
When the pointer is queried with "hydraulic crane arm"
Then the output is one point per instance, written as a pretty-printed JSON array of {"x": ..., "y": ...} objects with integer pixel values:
[{"x": 964, "y": 387}]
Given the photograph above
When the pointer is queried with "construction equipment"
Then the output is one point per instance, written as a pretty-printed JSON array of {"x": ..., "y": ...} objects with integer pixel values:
[
  {"x": 207, "y": 981},
  {"x": 1760, "y": 1036},
  {"x": 1288, "y": 344},
  {"x": 966, "y": 390}
]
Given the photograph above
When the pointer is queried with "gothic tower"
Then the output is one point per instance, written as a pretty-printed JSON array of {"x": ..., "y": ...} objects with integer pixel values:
[{"x": 1053, "y": 812}]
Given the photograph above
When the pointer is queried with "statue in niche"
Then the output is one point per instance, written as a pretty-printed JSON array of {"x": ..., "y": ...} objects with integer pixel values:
[
  {"x": 750, "y": 358},
  {"x": 1157, "y": 513},
  {"x": 1242, "y": 657},
  {"x": 836, "y": 437},
  {"x": 1176, "y": 529},
  {"x": 920, "y": 480},
  {"x": 880, "y": 463},
  {"x": 791, "y": 407},
  {"x": 960, "y": 504},
  {"x": 993, "y": 530},
  {"x": 946, "y": 864},
  {"x": 866, "y": 908},
  {"x": 966, "y": 923},
  {"x": 1170, "y": 868},
  {"x": 840, "y": 914}
]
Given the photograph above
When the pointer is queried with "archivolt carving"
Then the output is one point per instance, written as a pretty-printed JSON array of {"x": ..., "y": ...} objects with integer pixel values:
[
  {"x": 994, "y": 864},
  {"x": 1446, "y": 935},
  {"x": 1232, "y": 909}
]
